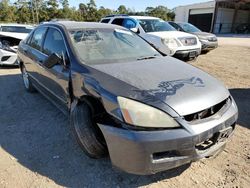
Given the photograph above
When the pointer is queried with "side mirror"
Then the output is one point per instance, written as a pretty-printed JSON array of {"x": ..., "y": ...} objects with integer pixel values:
[
  {"x": 53, "y": 60},
  {"x": 134, "y": 29}
]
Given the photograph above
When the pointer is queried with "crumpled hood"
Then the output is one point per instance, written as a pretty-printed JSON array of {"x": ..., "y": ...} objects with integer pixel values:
[
  {"x": 184, "y": 88},
  {"x": 171, "y": 34}
]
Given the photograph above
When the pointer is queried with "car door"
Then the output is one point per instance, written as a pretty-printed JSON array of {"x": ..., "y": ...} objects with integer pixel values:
[
  {"x": 56, "y": 78},
  {"x": 33, "y": 53}
]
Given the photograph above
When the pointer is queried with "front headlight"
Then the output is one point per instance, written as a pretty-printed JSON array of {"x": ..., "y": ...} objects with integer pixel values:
[
  {"x": 139, "y": 114},
  {"x": 170, "y": 42}
]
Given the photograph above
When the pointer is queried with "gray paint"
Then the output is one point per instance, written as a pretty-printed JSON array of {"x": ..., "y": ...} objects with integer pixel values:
[{"x": 198, "y": 90}]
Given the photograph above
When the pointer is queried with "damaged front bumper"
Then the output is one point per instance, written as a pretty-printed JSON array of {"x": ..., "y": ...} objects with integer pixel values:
[{"x": 149, "y": 152}]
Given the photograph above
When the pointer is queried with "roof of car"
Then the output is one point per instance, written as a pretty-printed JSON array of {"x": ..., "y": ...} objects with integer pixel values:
[
  {"x": 77, "y": 25},
  {"x": 144, "y": 17}
]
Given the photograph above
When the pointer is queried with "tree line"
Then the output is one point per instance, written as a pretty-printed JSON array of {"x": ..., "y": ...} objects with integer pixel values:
[{"x": 36, "y": 11}]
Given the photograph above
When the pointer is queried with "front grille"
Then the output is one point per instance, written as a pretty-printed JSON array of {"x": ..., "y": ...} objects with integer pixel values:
[
  {"x": 212, "y": 39},
  {"x": 188, "y": 41},
  {"x": 207, "y": 112}
]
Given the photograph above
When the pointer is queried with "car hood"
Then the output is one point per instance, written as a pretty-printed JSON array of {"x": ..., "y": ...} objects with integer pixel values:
[
  {"x": 171, "y": 34},
  {"x": 203, "y": 34},
  {"x": 184, "y": 88}
]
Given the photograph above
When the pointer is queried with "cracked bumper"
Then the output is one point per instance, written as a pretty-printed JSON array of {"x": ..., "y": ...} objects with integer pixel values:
[{"x": 149, "y": 152}]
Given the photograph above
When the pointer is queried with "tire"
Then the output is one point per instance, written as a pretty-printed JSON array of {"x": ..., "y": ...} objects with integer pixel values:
[
  {"x": 26, "y": 81},
  {"x": 87, "y": 133},
  {"x": 204, "y": 52}
]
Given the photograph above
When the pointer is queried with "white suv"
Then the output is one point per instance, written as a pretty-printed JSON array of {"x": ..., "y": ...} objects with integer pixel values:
[{"x": 160, "y": 34}]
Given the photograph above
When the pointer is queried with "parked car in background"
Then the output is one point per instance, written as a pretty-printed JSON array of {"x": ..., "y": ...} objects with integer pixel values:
[
  {"x": 159, "y": 34},
  {"x": 148, "y": 111},
  {"x": 208, "y": 40},
  {"x": 10, "y": 37}
]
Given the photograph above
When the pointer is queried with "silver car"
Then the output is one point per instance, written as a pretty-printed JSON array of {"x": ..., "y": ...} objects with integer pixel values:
[{"x": 208, "y": 40}]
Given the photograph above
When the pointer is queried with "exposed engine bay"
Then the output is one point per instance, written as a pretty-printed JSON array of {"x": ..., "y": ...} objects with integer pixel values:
[{"x": 9, "y": 43}]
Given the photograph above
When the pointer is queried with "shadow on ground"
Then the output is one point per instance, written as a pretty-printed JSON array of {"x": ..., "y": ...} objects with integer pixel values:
[
  {"x": 37, "y": 134},
  {"x": 242, "y": 99}
]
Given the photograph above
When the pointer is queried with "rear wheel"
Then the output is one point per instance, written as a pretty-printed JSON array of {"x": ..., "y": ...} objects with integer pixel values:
[
  {"x": 87, "y": 132},
  {"x": 26, "y": 81}
]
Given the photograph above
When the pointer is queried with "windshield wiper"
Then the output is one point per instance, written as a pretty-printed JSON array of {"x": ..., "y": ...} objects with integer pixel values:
[{"x": 146, "y": 57}]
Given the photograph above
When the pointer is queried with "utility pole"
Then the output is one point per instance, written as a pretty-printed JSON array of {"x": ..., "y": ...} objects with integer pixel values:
[
  {"x": 32, "y": 10},
  {"x": 37, "y": 14}
]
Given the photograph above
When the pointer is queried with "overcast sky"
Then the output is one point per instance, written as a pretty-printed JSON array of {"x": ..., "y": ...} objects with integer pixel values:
[{"x": 138, "y": 5}]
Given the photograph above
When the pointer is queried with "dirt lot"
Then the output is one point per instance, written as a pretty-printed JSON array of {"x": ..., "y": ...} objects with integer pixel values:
[{"x": 36, "y": 149}]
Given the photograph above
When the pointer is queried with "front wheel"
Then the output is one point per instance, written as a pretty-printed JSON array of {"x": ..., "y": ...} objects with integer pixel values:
[{"x": 87, "y": 133}]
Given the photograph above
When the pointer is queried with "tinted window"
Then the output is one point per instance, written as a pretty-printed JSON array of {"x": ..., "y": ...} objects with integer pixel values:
[
  {"x": 128, "y": 23},
  {"x": 118, "y": 21},
  {"x": 37, "y": 39},
  {"x": 54, "y": 43},
  {"x": 105, "y": 21}
]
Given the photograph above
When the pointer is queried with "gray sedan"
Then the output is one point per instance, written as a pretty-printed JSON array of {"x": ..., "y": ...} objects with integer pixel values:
[
  {"x": 149, "y": 112},
  {"x": 208, "y": 40}
]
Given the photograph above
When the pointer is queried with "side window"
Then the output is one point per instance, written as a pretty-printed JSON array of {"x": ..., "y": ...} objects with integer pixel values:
[
  {"x": 128, "y": 23},
  {"x": 54, "y": 43},
  {"x": 28, "y": 39},
  {"x": 105, "y": 21},
  {"x": 37, "y": 38},
  {"x": 176, "y": 26},
  {"x": 118, "y": 21}
]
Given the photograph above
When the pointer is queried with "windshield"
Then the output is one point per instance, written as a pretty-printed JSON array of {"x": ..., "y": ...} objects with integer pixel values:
[
  {"x": 189, "y": 27},
  {"x": 15, "y": 29},
  {"x": 155, "y": 25},
  {"x": 99, "y": 46}
]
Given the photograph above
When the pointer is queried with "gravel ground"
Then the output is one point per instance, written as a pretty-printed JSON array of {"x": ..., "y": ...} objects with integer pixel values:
[{"x": 36, "y": 149}]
